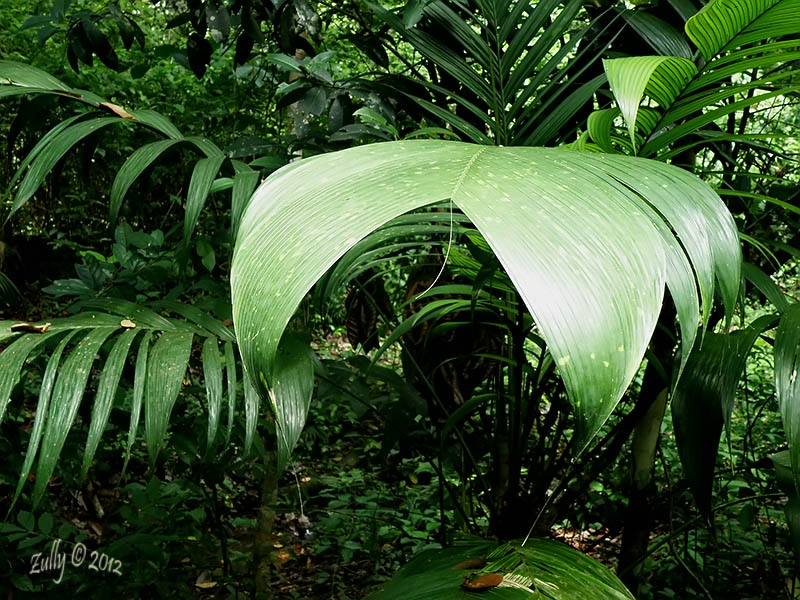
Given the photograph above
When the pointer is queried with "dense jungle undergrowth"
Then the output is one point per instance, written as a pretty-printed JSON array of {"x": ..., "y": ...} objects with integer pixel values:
[{"x": 419, "y": 299}]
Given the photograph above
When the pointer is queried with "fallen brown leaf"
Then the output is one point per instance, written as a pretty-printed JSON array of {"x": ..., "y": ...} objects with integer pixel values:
[
  {"x": 28, "y": 328},
  {"x": 117, "y": 110}
]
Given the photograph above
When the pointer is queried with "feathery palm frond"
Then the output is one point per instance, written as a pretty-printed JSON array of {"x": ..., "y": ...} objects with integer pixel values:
[
  {"x": 748, "y": 51},
  {"x": 117, "y": 330},
  {"x": 515, "y": 72},
  {"x": 20, "y": 79}
]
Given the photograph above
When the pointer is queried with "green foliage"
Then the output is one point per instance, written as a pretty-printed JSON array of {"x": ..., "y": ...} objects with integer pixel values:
[
  {"x": 538, "y": 568},
  {"x": 543, "y": 271},
  {"x": 598, "y": 363}
]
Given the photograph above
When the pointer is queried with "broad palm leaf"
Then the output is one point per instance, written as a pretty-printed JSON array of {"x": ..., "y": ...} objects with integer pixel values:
[{"x": 588, "y": 240}]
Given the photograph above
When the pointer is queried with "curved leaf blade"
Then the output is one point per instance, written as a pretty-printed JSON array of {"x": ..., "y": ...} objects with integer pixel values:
[
  {"x": 660, "y": 77},
  {"x": 106, "y": 390},
  {"x": 537, "y": 208},
  {"x": 787, "y": 383},
  {"x": 719, "y": 22},
  {"x": 290, "y": 394},
  {"x": 45, "y": 393},
  {"x": 50, "y": 155},
  {"x": 67, "y": 395},
  {"x": 165, "y": 369},
  {"x": 134, "y": 166},
  {"x": 230, "y": 376},
  {"x": 212, "y": 371},
  {"x": 139, "y": 378},
  {"x": 203, "y": 176}
]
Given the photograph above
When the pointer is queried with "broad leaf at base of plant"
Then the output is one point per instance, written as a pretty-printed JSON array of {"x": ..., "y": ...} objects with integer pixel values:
[{"x": 541, "y": 569}]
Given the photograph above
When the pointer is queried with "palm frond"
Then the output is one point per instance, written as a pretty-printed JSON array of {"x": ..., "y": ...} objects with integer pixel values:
[
  {"x": 504, "y": 70},
  {"x": 20, "y": 79},
  {"x": 748, "y": 50},
  {"x": 537, "y": 210},
  {"x": 159, "y": 373}
]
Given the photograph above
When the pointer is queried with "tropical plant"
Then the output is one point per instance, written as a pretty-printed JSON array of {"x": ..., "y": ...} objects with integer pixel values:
[
  {"x": 678, "y": 108},
  {"x": 597, "y": 340},
  {"x": 635, "y": 225},
  {"x": 162, "y": 354}
]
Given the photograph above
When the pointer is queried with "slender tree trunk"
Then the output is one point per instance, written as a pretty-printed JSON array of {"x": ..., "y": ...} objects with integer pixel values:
[
  {"x": 639, "y": 515},
  {"x": 262, "y": 542}
]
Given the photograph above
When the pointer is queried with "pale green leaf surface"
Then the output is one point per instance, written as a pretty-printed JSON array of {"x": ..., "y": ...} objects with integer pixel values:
[
  {"x": 541, "y": 565},
  {"x": 139, "y": 378},
  {"x": 45, "y": 393},
  {"x": 104, "y": 399},
  {"x": 580, "y": 247},
  {"x": 67, "y": 395},
  {"x": 707, "y": 232},
  {"x": 661, "y": 77},
  {"x": 212, "y": 372},
  {"x": 166, "y": 366},
  {"x": 291, "y": 390}
]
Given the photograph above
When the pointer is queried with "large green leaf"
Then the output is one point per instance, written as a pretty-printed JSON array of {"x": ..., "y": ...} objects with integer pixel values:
[
  {"x": 576, "y": 233},
  {"x": 703, "y": 402},
  {"x": 720, "y": 22},
  {"x": 539, "y": 569},
  {"x": 787, "y": 383}
]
